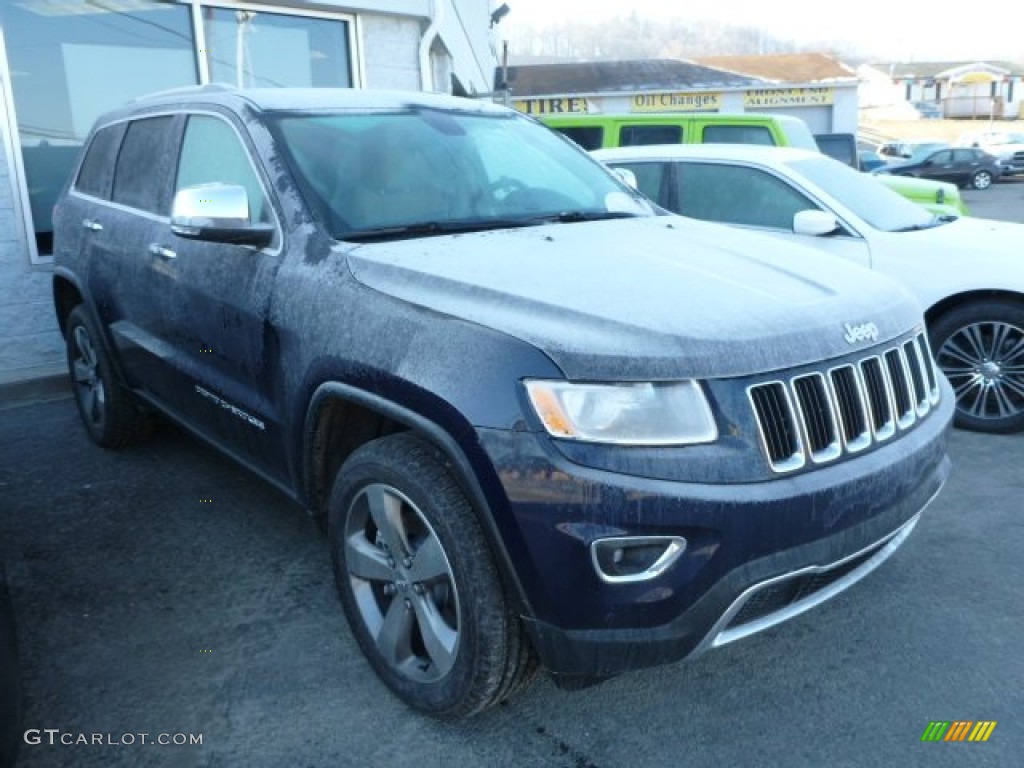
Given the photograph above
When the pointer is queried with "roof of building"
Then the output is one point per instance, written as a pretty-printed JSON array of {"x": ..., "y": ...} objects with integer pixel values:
[
  {"x": 783, "y": 67},
  {"x": 903, "y": 69},
  {"x": 616, "y": 76}
]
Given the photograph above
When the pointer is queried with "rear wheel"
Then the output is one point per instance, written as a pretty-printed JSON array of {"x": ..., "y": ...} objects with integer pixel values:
[
  {"x": 110, "y": 414},
  {"x": 980, "y": 348},
  {"x": 981, "y": 180},
  {"x": 418, "y": 582}
]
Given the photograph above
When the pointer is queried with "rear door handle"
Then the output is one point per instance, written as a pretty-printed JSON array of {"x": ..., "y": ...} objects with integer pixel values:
[
  {"x": 164, "y": 253},
  {"x": 92, "y": 226}
]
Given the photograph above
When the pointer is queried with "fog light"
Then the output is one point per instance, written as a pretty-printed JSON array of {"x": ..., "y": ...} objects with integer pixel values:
[{"x": 635, "y": 558}]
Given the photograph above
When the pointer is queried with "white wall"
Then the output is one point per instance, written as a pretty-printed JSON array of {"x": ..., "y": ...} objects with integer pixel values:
[
  {"x": 391, "y": 45},
  {"x": 29, "y": 340}
]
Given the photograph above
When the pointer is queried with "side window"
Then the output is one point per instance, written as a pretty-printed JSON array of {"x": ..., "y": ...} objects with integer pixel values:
[
  {"x": 587, "y": 136},
  {"x": 644, "y": 135},
  {"x": 136, "y": 182},
  {"x": 733, "y": 194},
  {"x": 212, "y": 152},
  {"x": 97, "y": 171},
  {"x": 941, "y": 158},
  {"x": 738, "y": 134},
  {"x": 651, "y": 180},
  {"x": 965, "y": 155}
]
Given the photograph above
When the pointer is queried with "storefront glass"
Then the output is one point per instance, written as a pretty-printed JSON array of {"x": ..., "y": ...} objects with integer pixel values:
[
  {"x": 71, "y": 61},
  {"x": 255, "y": 49}
]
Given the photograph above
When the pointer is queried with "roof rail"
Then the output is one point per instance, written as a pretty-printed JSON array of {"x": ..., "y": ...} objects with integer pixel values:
[{"x": 186, "y": 89}]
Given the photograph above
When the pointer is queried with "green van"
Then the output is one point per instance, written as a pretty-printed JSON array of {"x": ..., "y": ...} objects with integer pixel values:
[
  {"x": 605, "y": 131},
  {"x": 608, "y": 131}
]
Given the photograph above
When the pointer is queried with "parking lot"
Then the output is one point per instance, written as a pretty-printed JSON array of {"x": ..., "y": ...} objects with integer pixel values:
[{"x": 163, "y": 591}]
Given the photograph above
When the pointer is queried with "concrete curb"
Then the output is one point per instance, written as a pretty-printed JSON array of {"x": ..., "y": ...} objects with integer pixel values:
[{"x": 45, "y": 384}]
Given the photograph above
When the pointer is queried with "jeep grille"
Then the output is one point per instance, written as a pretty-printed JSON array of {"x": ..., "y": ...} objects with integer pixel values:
[{"x": 820, "y": 416}]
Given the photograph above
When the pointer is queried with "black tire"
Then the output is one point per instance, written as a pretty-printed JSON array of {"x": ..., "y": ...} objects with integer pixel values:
[
  {"x": 980, "y": 348},
  {"x": 433, "y": 619},
  {"x": 982, "y": 179},
  {"x": 109, "y": 412}
]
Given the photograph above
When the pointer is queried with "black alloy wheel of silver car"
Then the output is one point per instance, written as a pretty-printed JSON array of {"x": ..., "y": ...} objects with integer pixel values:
[
  {"x": 418, "y": 582},
  {"x": 980, "y": 348},
  {"x": 981, "y": 179},
  {"x": 111, "y": 416}
]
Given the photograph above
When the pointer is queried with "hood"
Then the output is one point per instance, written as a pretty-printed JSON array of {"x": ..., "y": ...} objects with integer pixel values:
[
  {"x": 967, "y": 239},
  {"x": 649, "y": 298}
]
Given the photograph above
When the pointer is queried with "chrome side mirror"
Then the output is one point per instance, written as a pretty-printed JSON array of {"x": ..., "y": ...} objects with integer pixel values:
[{"x": 217, "y": 213}]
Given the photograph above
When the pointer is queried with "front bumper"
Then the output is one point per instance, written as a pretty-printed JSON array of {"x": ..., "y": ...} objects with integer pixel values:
[{"x": 756, "y": 553}]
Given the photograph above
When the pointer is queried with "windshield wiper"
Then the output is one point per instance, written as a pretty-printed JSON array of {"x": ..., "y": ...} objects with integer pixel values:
[
  {"x": 429, "y": 228},
  {"x": 570, "y": 217}
]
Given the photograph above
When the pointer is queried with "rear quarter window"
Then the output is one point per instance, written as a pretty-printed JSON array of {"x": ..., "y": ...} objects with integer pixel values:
[{"x": 96, "y": 173}]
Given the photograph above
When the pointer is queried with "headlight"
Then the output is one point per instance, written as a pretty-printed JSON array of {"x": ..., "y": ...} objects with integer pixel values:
[{"x": 675, "y": 413}]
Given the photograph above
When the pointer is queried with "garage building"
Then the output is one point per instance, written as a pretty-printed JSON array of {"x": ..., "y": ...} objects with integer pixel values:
[{"x": 814, "y": 87}]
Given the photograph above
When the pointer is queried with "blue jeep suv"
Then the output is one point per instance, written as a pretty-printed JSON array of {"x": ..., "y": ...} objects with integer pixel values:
[{"x": 541, "y": 420}]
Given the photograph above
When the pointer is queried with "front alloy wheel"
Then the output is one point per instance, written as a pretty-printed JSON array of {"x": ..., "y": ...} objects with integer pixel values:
[
  {"x": 980, "y": 348},
  {"x": 402, "y": 583},
  {"x": 418, "y": 582}
]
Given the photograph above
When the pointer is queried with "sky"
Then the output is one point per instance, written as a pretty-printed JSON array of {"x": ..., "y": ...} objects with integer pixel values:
[{"x": 920, "y": 30}]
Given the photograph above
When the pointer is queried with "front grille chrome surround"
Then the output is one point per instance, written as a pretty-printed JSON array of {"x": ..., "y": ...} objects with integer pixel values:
[{"x": 815, "y": 417}]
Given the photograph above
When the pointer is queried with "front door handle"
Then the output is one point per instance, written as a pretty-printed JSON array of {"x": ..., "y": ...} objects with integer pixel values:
[
  {"x": 92, "y": 226},
  {"x": 164, "y": 253}
]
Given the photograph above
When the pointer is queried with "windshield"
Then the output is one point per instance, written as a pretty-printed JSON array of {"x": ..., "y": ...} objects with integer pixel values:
[
  {"x": 424, "y": 171},
  {"x": 863, "y": 194}
]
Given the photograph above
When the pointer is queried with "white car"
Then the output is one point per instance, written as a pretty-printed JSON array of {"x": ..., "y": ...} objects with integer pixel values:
[{"x": 967, "y": 272}]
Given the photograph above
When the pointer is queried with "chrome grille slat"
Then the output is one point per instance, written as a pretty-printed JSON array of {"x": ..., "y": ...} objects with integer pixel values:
[
  {"x": 879, "y": 398},
  {"x": 848, "y": 392},
  {"x": 779, "y": 435},
  {"x": 817, "y": 417},
  {"x": 916, "y": 367},
  {"x": 820, "y": 416},
  {"x": 929, "y": 367},
  {"x": 899, "y": 381}
]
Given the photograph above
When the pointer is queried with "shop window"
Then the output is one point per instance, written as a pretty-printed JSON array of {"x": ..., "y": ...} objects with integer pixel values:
[
  {"x": 255, "y": 49},
  {"x": 69, "y": 63}
]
